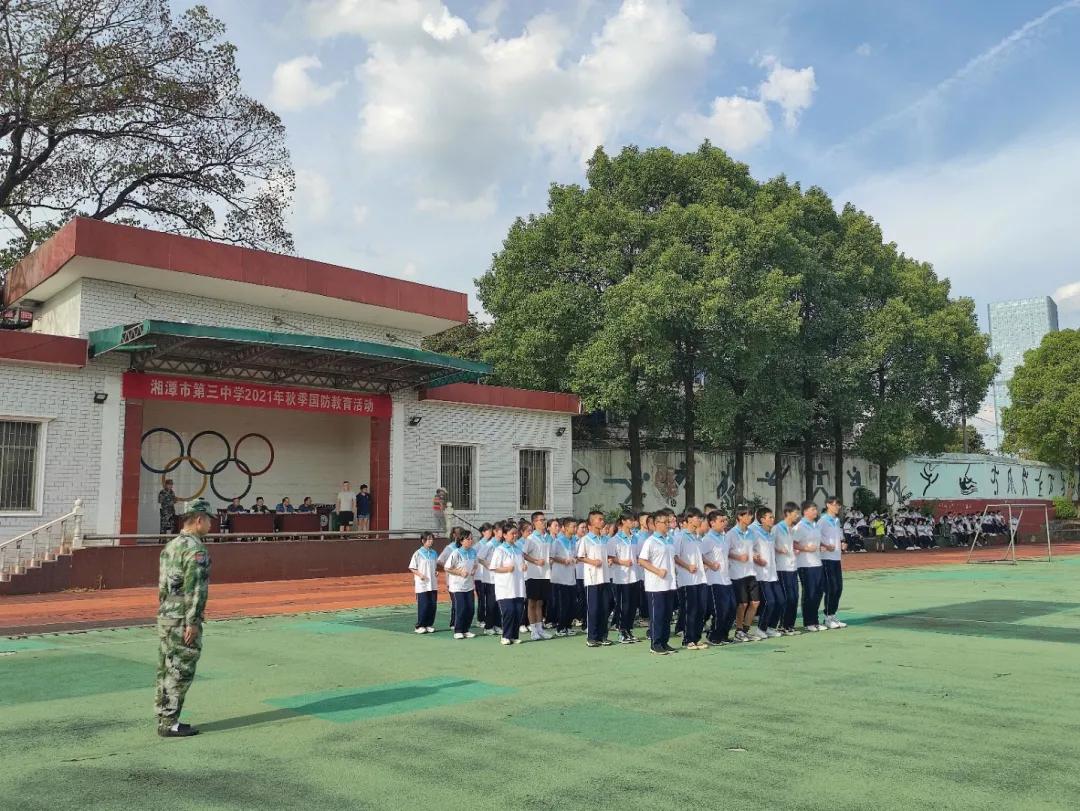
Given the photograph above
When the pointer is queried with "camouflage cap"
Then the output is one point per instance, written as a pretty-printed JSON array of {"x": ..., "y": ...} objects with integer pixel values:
[{"x": 198, "y": 506}]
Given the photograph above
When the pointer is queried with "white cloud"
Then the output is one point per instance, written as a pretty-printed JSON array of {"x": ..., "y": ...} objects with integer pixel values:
[
  {"x": 479, "y": 208},
  {"x": 444, "y": 26},
  {"x": 735, "y": 123},
  {"x": 489, "y": 14},
  {"x": 359, "y": 214},
  {"x": 313, "y": 195},
  {"x": 1068, "y": 297},
  {"x": 293, "y": 89},
  {"x": 864, "y": 49},
  {"x": 1000, "y": 225},
  {"x": 792, "y": 89}
]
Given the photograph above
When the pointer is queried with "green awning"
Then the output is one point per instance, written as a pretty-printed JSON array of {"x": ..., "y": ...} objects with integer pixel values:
[{"x": 280, "y": 357}]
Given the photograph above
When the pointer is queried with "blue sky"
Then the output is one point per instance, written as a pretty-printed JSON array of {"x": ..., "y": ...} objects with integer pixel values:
[{"x": 420, "y": 128}]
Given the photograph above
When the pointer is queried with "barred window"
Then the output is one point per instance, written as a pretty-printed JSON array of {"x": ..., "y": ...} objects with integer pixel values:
[
  {"x": 533, "y": 480},
  {"x": 457, "y": 475},
  {"x": 18, "y": 465}
]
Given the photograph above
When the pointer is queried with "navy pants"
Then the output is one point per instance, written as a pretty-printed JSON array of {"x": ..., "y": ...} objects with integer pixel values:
[
  {"x": 772, "y": 610},
  {"x": 660, "y": 607},
  {"x": 625, "y": 606},
  {"x": 492, "y": 618},
  {"x": 481, "y": 604},
  {"x": 722, "y": 608},
  {"x": 464, "y": 609},
  {"x": 694, "y": 600},
  {"x": 511, "y": 611},
  {"x": 789, "y": 582},
  {"x": 811, "y": 579},
  {"x": 834, "y": 585},
  {"x": 579, "y": 601},
  {"x": 678, "y": 609},
  {"x": 563, "y": 603},
  {"x": 596, "y": 611},
  {"x": 642, "y": 600},
  {"x": 426, "y": 601}
]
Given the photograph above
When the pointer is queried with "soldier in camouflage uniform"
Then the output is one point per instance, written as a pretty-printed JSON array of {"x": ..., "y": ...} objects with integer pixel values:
[
  {"x": 166, "y": 499},
  {"x": 183, "y": 582}
]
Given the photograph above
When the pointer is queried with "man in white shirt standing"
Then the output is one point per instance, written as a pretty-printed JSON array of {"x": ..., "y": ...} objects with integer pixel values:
[
  {"x": 592, "y": 552},
  {"x": 832, "y": 543},
  {"x": 657, "y": 559},
  {"x": 714, "y": 556},
  {"x": 807, "y": 542},
  {"x": 691, "y": 580},
  {"x": 622, "y": 555},
  {"x": 785, "y": 566},
  {"x": 537, "y": 554},
  {"x": 741, "y": 569},
  {"x": 346, "y": 507},
  {"x": 772, "y": 594}
]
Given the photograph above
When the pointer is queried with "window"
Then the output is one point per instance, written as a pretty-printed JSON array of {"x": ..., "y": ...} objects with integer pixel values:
[
  {"x": 19, "y": 465},
  {"x": 533, "y": 480},
  {"x": 457, "y": 474}
]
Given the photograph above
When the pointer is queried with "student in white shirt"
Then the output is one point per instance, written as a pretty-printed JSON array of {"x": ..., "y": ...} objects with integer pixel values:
[
  {"x": 592, "y": 552},
  {"x": 691, "y": 580},
  {"x": 714, "y": 556},
  {"x": 482, "y": 549},
  {"x": 772, "y": 593},
  {"x": 622, "y": 557},
  {"x": 455, "y": 533},
  {"x": 785, "y": 566},
  {"x": 807, "y": 540},
  {"x": 641, "y": 532},
  {"x": 832, "y": 544},
  {"x": 508, "y": 568},
  {"x": 563, "y": 577},
  {"x": 741, "y": 571},
  {"x": 536, "y": 550},
  {"x": 425, "y": 584},
  {"x": 579, "y": 573},
  {"x": 657, "y": 559},
  {"x": 346, "y": 507},
  {"x": 460, "y": 570}
]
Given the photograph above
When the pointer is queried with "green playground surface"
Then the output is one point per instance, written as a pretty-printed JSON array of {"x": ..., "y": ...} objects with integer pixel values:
[{"x": 954, "y": 687}]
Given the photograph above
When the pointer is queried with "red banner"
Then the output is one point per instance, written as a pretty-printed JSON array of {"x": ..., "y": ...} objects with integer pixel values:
[{"x": 151, "y": 386}]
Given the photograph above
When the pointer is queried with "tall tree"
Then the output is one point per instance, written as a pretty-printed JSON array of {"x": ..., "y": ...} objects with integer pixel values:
[
  {"x": 1044, "y": 418},
  {"x": 113, "y": 109}
]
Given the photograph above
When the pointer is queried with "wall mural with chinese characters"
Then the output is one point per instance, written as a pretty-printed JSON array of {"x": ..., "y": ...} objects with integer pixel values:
[{"x": 602, "y": 476}]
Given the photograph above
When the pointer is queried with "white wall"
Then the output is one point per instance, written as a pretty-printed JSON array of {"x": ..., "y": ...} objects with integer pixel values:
[
  {"x": 498, "y": 433},
  {"x": 73, "y": 443},
  {"x": 313, "y": 453},
  {"x": 61, "y": 315},
  {"x": 106, "y": 304}
]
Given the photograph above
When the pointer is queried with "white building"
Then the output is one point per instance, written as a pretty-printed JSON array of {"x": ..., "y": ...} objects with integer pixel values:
[{"x": 246, "y": 373}]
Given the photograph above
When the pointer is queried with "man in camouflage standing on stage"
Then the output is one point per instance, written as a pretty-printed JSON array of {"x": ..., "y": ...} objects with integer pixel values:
[
  {"x": 183, "y": 583},
  {"x": 166, "y": 499}
]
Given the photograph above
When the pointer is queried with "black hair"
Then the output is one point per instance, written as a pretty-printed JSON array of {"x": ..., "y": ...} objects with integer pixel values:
[
  {"x": 709, "y": 507},
  {"x": 660, "y": 515},
  {"x": 535, "y": 514},
  {"x": 425, "y": 535},
  {"x": 712, "y": 515},
  {"x": 761, "y": 512},
  {"x": 790, "y": 507},
  {"x": 594, "y": 512},
  {"x": 626, "y": 516},
  {"x": 692, "y": 512},
  {"x": 742, "y": 510},
  {"x": 833, "y": 500},
  {"x": 806, "y": 505},
  {"x": 485, "y": 527}
]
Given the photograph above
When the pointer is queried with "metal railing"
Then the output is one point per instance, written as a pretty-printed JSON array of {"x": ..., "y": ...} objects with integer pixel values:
[
  {"x": 114, "y": 539},
  {"x": 61, "y": 536}
]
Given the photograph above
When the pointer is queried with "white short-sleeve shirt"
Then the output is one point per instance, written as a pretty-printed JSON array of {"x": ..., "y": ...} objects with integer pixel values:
[
  {"x": 594, "y": 546},
  {"x": 538, "y": 546},
  {"x": 714, "y": 549},
  {"x": 623, "y": 547},
  {"x": 831, "y": 533},
  {"x": 763, "y": 548},
  {"x": 739, "y": 543},
  {"x": 423, "y": 560},
  {"x": 785, "y": 552},
  {"x": 508, "y": 585},
  {"x": 806, "y": 533},
  {"x": 566, "y": 548},
  {"x": 688, "y": 549},
  {"x": 659, "y": 550},
  {"x": 461, "y": 559}
]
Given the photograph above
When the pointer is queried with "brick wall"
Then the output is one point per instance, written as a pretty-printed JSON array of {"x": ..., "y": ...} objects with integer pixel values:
[{"x": 498, "y": 434}]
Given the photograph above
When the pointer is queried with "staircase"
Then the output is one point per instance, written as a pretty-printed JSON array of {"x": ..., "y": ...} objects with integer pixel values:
[{"x": 42, "y": 545}]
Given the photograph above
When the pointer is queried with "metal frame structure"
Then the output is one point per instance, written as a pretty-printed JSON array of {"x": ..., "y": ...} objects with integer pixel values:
[{"x": 1010, "y": 550}]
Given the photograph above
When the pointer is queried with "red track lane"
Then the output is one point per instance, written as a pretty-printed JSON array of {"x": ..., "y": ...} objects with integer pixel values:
[{"x": 69, "y": 611}]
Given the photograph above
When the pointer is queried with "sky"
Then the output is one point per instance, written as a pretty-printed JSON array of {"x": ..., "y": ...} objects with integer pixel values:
[{"x": 420, "y": 129}]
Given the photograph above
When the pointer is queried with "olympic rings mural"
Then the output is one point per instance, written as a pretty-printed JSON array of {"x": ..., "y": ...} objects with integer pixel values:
[{"x": 185, "y": 454}]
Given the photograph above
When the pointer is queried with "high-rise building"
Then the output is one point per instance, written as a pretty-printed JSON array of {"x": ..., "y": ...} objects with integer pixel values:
[{"x": 1015, "y": 327}]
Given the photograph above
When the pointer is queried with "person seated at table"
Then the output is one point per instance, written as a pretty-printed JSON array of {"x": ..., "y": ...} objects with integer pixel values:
[
  {"x": 235, "y": 507},
  {"x": 260, "y": 506},
  {"x": 308, "y": 506},
  {"x": 284, "y": 506}
]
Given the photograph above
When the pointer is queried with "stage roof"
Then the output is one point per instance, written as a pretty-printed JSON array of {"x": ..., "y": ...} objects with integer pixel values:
[{"x": 279, "y": 357}]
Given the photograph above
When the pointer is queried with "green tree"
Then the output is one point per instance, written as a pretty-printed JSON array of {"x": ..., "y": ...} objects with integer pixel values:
[
  {"x": 955, "y": 441},
  {"x": 113, "y": 109},
  {"x": 1044, "y": 419},
  {"x": 463, "y": 341}
]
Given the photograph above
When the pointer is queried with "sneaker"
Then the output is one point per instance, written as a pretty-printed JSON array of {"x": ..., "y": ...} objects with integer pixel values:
[
  {"x": 811, "y": 628},
  {"x": 702, "y": 645},
  {"x": 518, "y": 641},
  {"x": 659, "y": 651},
  {"x": 772, "y": 633},
  {"x": 741, "y": 637},
  {"x": 535, "y": 637},
  {"x": 181, "y": 731},
  {"x": 822, "y": 627},
  {"x": 420, "y": 631},
  {"x": 470, "y": 635},
  {"x": 591, "y": 643},
  {"x": 572, "y": 632},
  {"x": 544, "y": 634},
  {"x": 670, "y": 649},
  {"x": 459, "y": 636},
  {"x": 831, "y": 624},
  {"x": 560, "y": 632},
  {"x": 505, "y": 641},
  {"x": 690, "y": 645},
  {"x": 626, "y": 639},
  {"x": 430, "y": 630},
  {"x": 757, "y": 634},
  {"x": 489, "y": 632},
  {"x": 839, "y": 623},
  {"x": 523, "y": 629}
]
